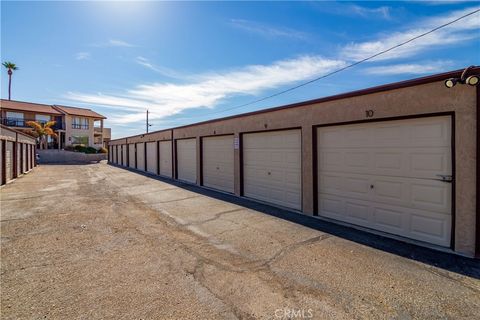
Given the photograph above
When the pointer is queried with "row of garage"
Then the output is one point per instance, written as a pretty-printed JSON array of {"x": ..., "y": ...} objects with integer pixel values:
[
  {"x": 384, "y": 175},
  {"x": 17, "y": 152},
  {"x": 398, "y": 172}
]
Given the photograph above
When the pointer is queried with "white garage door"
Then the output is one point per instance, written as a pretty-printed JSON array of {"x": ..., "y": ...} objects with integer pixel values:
[
  {"x": 385, "y": 176},
  {"x": 217, "y": 161},
  {"x": 131, "y": 155},
  {"x": 165, "y": 157},
  {"x": 19, "y": 159},
  {"x": 152, "y": 157},
  {"x": 9, "y": 160},
  {"x": 141, "y": 156},
  {"x": 24, "y": 158},
  {"x": 119, "y": 154},
  {"x": 124, "y": 155},
  {"x": 110, "y": 158},
  {"x": 187, "y": 160},
  {"x": 272, "y": 167}
]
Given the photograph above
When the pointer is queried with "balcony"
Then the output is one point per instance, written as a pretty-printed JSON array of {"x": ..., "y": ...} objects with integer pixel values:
[
  {"x": 79, "y": 126},
  {"x": 22, "y": 123}
]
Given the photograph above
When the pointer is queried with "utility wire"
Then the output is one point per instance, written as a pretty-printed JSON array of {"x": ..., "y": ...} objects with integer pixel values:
[{"x": 346, "y": 67}]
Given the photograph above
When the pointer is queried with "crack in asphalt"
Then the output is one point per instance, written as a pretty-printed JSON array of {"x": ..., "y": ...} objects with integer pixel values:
[
  {"x": 447, "y": 276},
  {"x": 216, "y": 271},
  {"x": 217, "y": 215}
]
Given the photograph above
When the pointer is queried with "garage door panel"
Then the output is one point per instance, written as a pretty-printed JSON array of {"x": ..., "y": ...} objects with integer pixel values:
[
  {"x": 407, "y": 162},
  {"x": 387, "y": 179},
  {"x": 417, "y": 224},
  {"x": 357, "y": 211},
  {"x": 131, "y": 155},
  {"x": 389, "y": 190},
  {"x": 427, "y": 132},
  {"x": 416, "y": 193},
  {"x": 388, "y": 219},
  {"x": 151, "y": 157},
  {"x": 166, "y": 158},
  {"x": 389, "y": 135},
  {"x": 430, "y": 227},
  {"x": 119, "y": 155},
  {"x": 187, "y": 160},
  {"x": 432, "y": 195},
  {"x": 272, "y": 167},
  {"x": 389, "y": 160},
  {"x": 218, "y": 163},
  {"x": 428, "y": 164},
  {"x": 24, "y": 158},
  {"x": 9, "y": 160},
  {"x": 124, "y": 154},
  {"x": 141, "y": 156},
  {"x": 431, "y": 133}
]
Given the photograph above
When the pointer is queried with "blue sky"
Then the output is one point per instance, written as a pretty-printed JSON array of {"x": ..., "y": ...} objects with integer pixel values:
[{"x": 188, "y": 61}]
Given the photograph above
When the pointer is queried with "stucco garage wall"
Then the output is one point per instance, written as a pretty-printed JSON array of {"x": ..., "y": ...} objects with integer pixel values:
[
  {"x": 417, "y": 100},
  {"x": 13, "y": 153}
]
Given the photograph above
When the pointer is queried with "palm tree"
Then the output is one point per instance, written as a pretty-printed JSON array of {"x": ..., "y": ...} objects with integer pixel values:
[
  {"x": 42, "y": 131},
  {"x": 10, "y": 66}
]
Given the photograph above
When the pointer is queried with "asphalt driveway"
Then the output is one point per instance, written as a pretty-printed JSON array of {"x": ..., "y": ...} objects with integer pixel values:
[{"x": 99, "y": 242}]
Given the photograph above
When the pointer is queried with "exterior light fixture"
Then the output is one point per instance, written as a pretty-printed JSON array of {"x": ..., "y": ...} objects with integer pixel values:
[
  {"x": 450, "y": 83},
  {"x": 472, "y": 80}
]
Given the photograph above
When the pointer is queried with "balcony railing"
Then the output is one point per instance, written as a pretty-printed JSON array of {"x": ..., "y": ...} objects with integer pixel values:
[
  {"x": 79, "y": 126},
  {"x": 22, "y": 123}
]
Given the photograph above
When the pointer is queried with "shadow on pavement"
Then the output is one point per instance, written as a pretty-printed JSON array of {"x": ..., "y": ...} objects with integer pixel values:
[{"x": 444, "y": 260}]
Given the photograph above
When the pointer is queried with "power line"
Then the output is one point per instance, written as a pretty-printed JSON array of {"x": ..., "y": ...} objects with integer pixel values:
[{"x": 346, "y": 67}]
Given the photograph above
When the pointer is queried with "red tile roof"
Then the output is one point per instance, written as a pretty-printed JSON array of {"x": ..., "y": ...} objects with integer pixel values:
[
  {"x": 45, "y": 108},
  {"x": 78, "y": 111},
  {"x": 28, "y": 106}
]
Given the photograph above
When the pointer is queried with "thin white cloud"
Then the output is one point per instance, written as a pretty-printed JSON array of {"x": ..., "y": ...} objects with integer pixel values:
[
  {"x": 119, "y": 43},
  {"x": 209, "y": 90},
  {"x": 382, "y": 12},
  {"x": 464, "y": 30},
  {"x": 353, "y": 10},
  {"x": 82, "y": 55},
  {"x": 113, "y": 43},
  {"x": 159, "y": 69},
  {"x": 442, "y": 2},
  {"x": 411, "y": 68},
  {"x": 166, "y": 99},
  {"x": 267, "y": 30}
]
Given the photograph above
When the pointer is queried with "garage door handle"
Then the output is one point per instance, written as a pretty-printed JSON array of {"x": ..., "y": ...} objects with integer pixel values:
[
  {"x": 269, "y": 173},
  {"x": 444, "y": 177},
  {"x": 218, "y": 168}
]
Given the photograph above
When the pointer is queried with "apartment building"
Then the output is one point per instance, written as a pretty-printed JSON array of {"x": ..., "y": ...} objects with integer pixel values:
[{"x": 73, "y": 125}]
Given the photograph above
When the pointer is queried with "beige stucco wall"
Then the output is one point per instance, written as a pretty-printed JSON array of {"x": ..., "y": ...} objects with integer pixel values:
[
  {"x": 70, "y": 132},
  {"x": 416, "y": 100}
]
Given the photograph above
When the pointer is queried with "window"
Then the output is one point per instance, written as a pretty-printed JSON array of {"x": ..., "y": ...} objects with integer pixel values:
[
  {"x": 14, "y": 119},
  {"x": 80, "y": 123},
  {"x": 80, "y": 140},
  {"x": 16, "y": 115},
  {"x": 41, "y": 118}
]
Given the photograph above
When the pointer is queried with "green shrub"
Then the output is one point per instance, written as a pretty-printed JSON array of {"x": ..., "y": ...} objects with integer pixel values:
[
  {"x": 80, "y": 148},
  {"x": 89, "y": 150},
  {"x": 69, "y": 148},
  {"x": 103, "y": 150}
]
